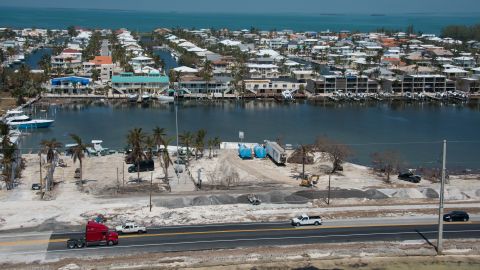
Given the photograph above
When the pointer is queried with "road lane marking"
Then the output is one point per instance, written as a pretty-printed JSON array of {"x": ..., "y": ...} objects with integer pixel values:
[
  {"x": 230, "y": 240},
  {"x": 283, "y": 229},
  {"x": 42, "y": 241}
]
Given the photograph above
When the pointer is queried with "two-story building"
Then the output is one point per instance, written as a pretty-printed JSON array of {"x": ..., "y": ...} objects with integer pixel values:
[
  {"x": 352, "y": 83},
  {"x": 103, "y": 64},
  {"x": 196, "y": 85},
  {"x": 128, "y": 82},
  {"x": 67, "y": 59},
  {"x": 419, "y": 83},
  {"x": 269, "y": 87},
  {"x": 263, "y": 71}
]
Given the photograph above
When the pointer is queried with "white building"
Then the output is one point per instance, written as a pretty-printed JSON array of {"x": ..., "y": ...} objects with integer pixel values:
[{"x": 263, "y": 71}]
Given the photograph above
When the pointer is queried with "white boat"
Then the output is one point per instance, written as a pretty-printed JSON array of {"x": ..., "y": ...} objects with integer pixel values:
[
  {"x": 146, "y": 97},
  {"x": 97, "y": 148},
  {"x": 287, "y": 95},
  {"x": 132, "y": 97},
  {"x": 25, "y": 122},
  {"x": 17, "y": 119},
  {"x": 165, "y": 98}
]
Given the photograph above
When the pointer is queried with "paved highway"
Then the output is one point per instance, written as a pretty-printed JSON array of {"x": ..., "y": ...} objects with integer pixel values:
[{"x": 203, "y": 237}]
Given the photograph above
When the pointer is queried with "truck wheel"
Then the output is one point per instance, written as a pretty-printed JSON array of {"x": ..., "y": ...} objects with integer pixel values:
[
  {"x": 80, "y": 244},
  {"x": 297, "y": 224},
  {"x": 71, "y": 244},
  {"x": 110, "y": 243},
  {"x": 317, "y": 223}
]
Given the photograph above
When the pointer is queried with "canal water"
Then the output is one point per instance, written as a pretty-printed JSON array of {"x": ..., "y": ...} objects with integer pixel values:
[
  {"x": 415, "y": 130},
  {"x": 167, "y": 58}
]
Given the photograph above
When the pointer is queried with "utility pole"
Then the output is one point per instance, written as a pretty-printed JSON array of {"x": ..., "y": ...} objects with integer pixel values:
[
  {"x": 41, "y": 180},
  {"x": 151, "y": 186},
  {"x": 440, "y": 207},
  {"x": 328, "y": 198},
  {"x": 123, "y": 174}
]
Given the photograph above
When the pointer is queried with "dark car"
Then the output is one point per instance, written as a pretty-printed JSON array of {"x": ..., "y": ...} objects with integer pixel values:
[
  {"x": 36, "y": 187},
  {"x": 410, "y": 177},
  {"x": 456, "y": 216},
  {"x": 144, "y": 166}
]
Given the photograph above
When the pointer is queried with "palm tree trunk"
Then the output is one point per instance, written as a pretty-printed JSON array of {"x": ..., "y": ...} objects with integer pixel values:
[
  {"x": 138, "y": 171},
  {"x": 81, "y": 171}
]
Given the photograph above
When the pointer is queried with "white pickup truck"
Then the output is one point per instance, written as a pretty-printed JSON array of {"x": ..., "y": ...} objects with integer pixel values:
[
  {"x": 306, "y": 220},
  {"x": 130, "y": 227}
]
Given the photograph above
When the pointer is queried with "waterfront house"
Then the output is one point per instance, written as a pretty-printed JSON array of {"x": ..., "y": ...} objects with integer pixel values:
[
  {"x": 70, "y": 85},
  {"x": 419, "y": 83},
  {"x": 217, "y": 86},
  {"x": 350, "y": 83},
  {"x": 269, "y": 87},
  {"x": 128, "y": 82},
  {"x": 469, "y": 85}
]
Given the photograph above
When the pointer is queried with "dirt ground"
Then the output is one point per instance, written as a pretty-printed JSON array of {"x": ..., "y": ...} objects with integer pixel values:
[
  {"x": 413, "y": 254},
  {"x": 6, "y": 102},
  {"x": 71, "y": 204}
]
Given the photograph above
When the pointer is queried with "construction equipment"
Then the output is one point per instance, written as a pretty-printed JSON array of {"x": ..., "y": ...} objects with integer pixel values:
[
  {"x": 253, "y": 199},
  {"x": 310, "y": 181}
]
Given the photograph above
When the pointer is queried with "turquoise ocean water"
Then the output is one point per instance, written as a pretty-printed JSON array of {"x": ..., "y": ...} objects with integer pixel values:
[{"x": 146, "y": 21}]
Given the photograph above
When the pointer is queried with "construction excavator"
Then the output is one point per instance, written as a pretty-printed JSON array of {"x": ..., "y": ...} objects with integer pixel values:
[{"x": 311, "y": 181}]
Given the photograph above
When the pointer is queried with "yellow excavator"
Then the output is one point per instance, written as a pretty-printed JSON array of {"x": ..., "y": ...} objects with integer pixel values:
[{"x": 310, "y": 181}]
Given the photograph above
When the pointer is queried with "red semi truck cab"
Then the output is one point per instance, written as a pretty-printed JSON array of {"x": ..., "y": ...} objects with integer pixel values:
[{"x": 95, "y": 234}]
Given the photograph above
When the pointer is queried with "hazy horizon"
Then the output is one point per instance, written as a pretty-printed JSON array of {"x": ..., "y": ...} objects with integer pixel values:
[{"x": 314, "y": 7}]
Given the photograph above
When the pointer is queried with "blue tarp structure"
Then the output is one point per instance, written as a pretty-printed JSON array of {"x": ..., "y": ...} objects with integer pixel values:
[
  {"x": 260, "y": 151},
  {"x": 244, "y": 152},
  {"x": 71, "y": 79}
]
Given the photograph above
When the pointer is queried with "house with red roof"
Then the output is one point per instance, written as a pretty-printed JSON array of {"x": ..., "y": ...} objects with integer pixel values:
[{"x": 103, "y": 64}]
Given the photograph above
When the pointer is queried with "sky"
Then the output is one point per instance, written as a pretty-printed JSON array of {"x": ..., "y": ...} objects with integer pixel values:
[{"x": 264, "y": 6}]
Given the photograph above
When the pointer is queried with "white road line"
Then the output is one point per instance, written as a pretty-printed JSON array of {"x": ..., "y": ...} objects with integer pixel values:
[
  {"x": 233, "y": 240},
  {"x": 220, "y": 225}
]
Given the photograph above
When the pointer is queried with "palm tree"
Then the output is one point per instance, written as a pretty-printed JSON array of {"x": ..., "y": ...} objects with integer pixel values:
[
  {"x": 186, "y": 139},
  {"x": 166, "y": 161},
  {"x": 78, "y": 152},
  {"x": 200, "y": 142},
  {"x": 50, "y": 149},
  {"x": 159, "y": 136},
  {"x": 207, "y": 74},
  {"x": 8, "y": 150},
  {"x": 216, "y": 145},
  {"x": 210, "y": 144},
  {"x": 149, "y": 144},
  {"x": 135, "y": 139}
]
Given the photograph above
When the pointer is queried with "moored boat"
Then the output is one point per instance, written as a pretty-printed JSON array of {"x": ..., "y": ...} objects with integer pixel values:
[{"x": 132, "y": 97}]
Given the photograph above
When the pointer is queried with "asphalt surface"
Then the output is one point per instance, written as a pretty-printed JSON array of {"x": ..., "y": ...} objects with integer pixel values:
[
  {"x": 21, "y": 247},
  {"x": 187, "y": 238}
]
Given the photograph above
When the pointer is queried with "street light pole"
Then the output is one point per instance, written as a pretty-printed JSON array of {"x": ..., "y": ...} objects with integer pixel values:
[
  {"x": 175, "y": 100},
  {"x": 440, "y": 207}
]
